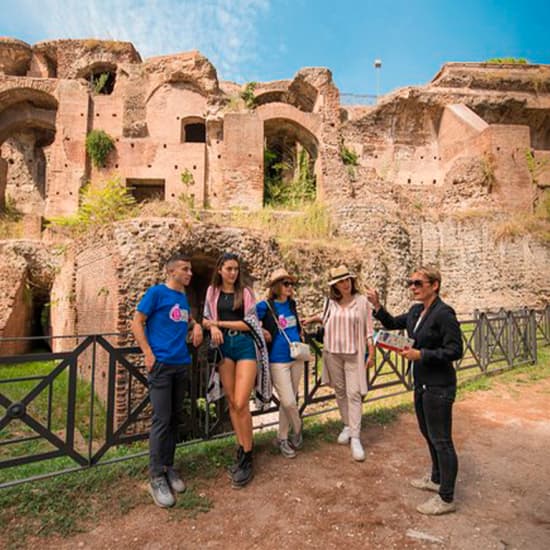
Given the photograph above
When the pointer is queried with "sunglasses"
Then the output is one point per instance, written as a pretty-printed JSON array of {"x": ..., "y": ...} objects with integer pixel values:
[
  {"x": 288, "y": 283},
  {"x": 416, "y": 282}
]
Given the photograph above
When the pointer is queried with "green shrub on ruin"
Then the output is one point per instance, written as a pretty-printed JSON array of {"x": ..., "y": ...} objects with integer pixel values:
[
  {"x": 248, "y": 95},
  {"x": 99, "y": 205},
  {"x": 98, "y": 146},
  {"x": 349, "y": 156},
  {"x": 510, "y": 60},
  {"x": 285, "y": 191},
  {"x": 98, "y": 82}
]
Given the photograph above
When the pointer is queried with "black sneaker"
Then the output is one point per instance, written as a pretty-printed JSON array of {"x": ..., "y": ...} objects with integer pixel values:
[
  {"x": 244, "y": 473},
  {"x": 238, "y": 459}
]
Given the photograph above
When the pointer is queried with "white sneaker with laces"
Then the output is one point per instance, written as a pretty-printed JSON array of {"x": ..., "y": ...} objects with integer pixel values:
[
  {"x": 357, "y": 451},
  {"x": 344, "y": 436}
]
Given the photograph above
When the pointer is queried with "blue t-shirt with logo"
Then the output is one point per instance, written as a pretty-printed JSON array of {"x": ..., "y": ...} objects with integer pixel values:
[
  {"x": 280, "y": 352},
  {"x": 168, "y": 315}
]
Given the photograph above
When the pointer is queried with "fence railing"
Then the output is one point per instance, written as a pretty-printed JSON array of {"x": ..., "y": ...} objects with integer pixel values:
[
  {"x": 89, "y": 404},
  {"x": 358, "y": 99}
]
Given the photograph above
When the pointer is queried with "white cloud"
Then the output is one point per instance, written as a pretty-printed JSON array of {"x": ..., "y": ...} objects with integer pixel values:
[{"x": 223, "y": 30}]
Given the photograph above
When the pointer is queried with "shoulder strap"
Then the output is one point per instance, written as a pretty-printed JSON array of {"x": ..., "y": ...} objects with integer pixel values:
[
  {"x": 277, "y": 322},
  {"x": 325, "y": 310}
]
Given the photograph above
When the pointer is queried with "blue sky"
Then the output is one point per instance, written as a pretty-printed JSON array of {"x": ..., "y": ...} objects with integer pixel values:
[{"x": 271, "y": 39}]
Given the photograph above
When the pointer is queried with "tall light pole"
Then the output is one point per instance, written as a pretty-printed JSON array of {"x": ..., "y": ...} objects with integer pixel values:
[{"x": 377, "y": 67}]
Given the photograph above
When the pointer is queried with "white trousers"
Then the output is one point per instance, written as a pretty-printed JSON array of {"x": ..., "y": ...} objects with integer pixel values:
[
  {"x": 342, "y": 368},
  {"x": 286, "y": 381}
]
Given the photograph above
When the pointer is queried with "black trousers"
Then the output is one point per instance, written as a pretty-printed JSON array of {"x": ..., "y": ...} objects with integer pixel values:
[
  {"x": 167, "y": 390},
  {"x": 434, "y": 412}
]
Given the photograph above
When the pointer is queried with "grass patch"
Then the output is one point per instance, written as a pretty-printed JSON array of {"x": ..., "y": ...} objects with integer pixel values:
[
  {"x": 66, "y": 505},
  {"x": 38, "y": 409}
]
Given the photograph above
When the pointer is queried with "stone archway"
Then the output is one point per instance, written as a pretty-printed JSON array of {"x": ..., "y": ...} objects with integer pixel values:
[{"x": 27, "y": 124}]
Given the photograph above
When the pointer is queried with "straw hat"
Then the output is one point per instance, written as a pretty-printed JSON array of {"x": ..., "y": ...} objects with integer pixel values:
[
  {"x": 278, "y": 275},
  {"x": 339, "y": 274}
]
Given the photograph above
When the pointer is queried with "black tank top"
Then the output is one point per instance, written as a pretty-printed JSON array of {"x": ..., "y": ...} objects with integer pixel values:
[{"x": 225, "y": 308}]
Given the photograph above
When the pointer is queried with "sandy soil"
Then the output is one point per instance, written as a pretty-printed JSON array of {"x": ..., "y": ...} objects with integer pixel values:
[{"x": 323, "y": 499}]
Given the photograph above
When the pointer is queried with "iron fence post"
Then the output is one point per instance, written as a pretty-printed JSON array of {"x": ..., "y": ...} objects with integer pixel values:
[
  {"x": 532, "y": 336},
  {"x": 509, "y": 335}
]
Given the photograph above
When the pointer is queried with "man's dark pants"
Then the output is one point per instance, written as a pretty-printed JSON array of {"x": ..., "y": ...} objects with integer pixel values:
[
  {"x": 167, "y": 389},
  {"x": 434, "y": 405}
]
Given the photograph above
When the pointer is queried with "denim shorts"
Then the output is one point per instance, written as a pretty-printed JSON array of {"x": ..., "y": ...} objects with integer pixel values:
[{"x": 238, "y": 345}]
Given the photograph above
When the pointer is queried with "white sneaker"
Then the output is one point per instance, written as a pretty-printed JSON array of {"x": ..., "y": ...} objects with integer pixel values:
[
  {"x": 344, "y": 437},
  {"x": 357, "y": 451}
]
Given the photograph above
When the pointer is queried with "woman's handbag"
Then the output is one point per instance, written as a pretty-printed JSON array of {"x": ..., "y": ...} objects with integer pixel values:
[{"x": 298, "y": 350}]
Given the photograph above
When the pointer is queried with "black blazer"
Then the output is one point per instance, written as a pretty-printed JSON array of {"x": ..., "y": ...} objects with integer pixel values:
[{"x": 438, "y": 337}]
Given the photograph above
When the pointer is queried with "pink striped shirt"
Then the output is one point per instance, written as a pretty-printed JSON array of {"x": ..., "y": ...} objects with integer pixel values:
[{"x": 343, "y": 325}]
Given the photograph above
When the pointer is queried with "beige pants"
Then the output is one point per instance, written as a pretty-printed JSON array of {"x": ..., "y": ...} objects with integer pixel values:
[
  {"x": 286, "y": 381},
  {"x": 342, "y": 368}
]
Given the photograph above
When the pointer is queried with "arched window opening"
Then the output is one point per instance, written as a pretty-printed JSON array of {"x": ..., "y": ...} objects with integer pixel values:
[
  {"x": 102, "y": 82},
  {"x": 290, "y": 152}
]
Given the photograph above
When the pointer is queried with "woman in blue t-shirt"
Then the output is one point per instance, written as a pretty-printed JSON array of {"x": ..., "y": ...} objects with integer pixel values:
[{"x": 278, "y": 314}]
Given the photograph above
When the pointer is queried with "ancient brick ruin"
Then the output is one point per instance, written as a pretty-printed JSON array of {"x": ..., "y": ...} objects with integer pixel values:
[{"x": 476, "y": 138}]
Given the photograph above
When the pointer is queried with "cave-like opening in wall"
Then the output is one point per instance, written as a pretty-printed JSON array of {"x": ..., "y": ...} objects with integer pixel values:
[
  {"x": 40, "y": 321},
  {"x": 203, "y": 268},
  {"x": 144, "y": 190},
  {"x": 290, "y": 154}
]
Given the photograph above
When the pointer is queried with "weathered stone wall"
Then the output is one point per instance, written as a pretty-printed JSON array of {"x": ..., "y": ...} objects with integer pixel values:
[
  {"x": 481, "y": 272},
  {"x": 63, "y": 302},
  {"x": 15, "y": 306}
]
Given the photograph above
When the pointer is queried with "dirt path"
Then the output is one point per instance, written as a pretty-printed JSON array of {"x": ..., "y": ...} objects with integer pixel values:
[{"x": 322, "y": 499}]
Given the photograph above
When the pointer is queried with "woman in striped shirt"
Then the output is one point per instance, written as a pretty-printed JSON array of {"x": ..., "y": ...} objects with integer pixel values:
[{"x": 347, "y": 320}]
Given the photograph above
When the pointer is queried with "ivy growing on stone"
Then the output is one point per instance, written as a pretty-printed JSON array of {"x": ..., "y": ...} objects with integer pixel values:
[{"x": 98, "y": 145}]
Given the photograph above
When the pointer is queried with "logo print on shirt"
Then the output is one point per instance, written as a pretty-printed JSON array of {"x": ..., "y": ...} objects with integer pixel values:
[
  {"x": 282, "y": 321},
  {"x": 178, "y": 315}
]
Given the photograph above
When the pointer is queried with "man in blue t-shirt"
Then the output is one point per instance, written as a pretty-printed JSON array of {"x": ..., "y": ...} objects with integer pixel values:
[{"x": 160, "y": 327}]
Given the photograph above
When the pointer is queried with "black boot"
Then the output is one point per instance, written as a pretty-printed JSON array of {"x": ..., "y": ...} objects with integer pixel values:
[
  {"x": 238, "y": 459},
  {"x": 244, "y": 472}
]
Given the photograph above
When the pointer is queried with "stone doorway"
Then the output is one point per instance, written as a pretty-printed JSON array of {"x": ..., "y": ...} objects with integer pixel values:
[{"x": 290, "y": 155}]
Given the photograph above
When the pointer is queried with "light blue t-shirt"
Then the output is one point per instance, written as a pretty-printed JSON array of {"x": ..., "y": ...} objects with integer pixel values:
[
  {"x": 168, "y": 315},
  {"x": 280, "y": 352}
]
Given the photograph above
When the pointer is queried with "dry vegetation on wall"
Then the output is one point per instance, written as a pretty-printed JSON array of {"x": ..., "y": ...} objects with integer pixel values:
[
  {"x": 506, "y": 226},
  {"x": 99, "y": 205},
  {"x": 111, "y": 201},
  {"x": 112, "y": 46},
  {"x": 313, "y": 222},
  {"x": 11, "y": 222}
]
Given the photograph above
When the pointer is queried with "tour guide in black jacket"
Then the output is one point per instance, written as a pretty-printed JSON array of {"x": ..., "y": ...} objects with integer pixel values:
[{"x": 437, "y": 343}]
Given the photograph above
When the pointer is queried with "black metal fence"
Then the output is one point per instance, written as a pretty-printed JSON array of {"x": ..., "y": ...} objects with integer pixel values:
[{"x": 89, "y": 404}]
